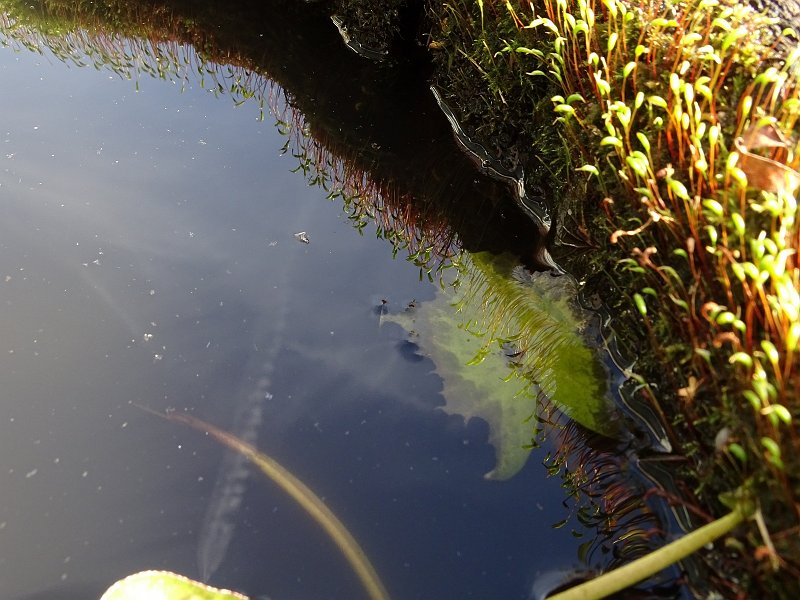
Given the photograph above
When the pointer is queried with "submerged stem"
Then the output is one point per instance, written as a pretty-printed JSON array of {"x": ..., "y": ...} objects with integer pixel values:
[{"x": 303, "y": 495}]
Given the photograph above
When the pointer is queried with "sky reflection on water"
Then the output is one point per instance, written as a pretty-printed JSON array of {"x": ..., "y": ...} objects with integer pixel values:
[{"x": 147, "y": 252}]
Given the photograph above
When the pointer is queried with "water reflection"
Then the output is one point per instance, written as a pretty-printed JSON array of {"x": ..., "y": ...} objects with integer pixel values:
[{"x": 148, "y": 255}]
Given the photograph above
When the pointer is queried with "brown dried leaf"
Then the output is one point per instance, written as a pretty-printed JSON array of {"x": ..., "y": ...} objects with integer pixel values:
[
  {"x": 766, "y": 174},
  {"x": 765, "y": 136}
]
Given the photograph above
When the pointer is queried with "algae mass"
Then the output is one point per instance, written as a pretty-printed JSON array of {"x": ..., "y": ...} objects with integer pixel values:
[{"x": 506, "y": 344}]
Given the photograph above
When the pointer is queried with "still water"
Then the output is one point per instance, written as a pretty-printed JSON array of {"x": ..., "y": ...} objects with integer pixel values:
[{"x": 149, "y": 256}]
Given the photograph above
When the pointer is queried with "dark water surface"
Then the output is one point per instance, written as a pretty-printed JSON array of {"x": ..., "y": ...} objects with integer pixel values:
[{"x": 148, "y": 256}]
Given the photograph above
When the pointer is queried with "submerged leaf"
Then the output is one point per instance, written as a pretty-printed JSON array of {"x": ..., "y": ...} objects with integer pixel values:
[
  {"x": 551, "y": 362},
  {"x": 164, "y": 585}
]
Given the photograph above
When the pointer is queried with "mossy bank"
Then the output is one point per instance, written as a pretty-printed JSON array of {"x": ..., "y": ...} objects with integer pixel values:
[
  {"x": 664, "y": 137},
  {"x": 670, "y": 130}
]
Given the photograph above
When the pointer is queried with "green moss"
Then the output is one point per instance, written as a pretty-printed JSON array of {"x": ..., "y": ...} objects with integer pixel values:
[{"x": 694, "y": 264}]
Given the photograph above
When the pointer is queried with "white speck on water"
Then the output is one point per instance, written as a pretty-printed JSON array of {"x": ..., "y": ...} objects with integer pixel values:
[
  {"x": 152, "y": 292},
  {"x": 31, "y": 473},
  {"x": 124, "y": 425},
  {"x": 85, "y": 474},
  {"x": 157, "y": 357},
  {"x": 56, "y": 460}
]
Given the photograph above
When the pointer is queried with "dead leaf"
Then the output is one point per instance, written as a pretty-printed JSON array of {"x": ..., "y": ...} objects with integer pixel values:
[
  {"x": 765, "y": 136},
  {"x": 764, "y": 173}
]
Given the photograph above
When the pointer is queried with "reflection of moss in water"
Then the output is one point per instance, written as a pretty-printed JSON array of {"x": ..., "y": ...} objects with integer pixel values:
[
  {"x": 413, "y": 181},
  {"x": 468, "y": 331}
]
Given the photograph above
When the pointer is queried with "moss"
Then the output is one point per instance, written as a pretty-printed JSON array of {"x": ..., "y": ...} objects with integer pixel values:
[{"x": 655, "y": 202}]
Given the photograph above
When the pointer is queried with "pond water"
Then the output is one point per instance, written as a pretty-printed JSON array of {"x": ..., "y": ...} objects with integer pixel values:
[{"x": 150, "y": 257}]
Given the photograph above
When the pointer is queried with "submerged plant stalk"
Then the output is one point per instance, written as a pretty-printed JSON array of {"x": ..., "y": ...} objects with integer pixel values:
[
  {"x": 647, "y": 566},
  {"x": 303, "y": 495}
]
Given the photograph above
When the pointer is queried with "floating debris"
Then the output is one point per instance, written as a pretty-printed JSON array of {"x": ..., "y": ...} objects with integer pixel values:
[{"x": 301, "y": 236}]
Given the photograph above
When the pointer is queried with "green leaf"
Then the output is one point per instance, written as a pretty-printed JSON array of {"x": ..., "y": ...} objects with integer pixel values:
[
  {"x": 167, "y": 586},
  {"x": 493, "y": 304}
]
